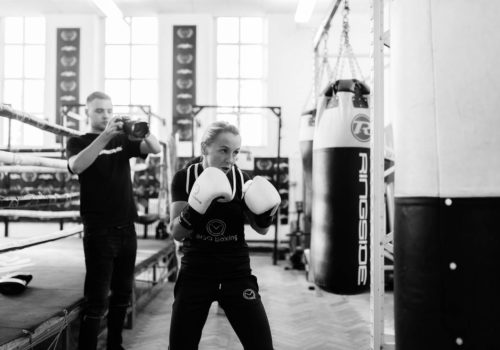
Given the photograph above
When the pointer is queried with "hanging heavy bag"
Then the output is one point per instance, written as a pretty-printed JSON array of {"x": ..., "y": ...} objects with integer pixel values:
[{"x": 340, "y": 212}]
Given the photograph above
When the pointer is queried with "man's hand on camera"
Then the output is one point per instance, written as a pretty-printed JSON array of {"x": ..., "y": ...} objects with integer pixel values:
[
  {"x": 136, "y": 130},
  {"x": 114, "y": 126}
]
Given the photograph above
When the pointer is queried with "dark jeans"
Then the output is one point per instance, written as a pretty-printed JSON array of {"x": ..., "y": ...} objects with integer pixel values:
[
  {"x": 240, "y": 300},
  {"x": 110, "y": 262}
]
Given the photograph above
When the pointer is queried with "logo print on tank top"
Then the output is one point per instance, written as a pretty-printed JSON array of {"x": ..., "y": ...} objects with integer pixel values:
[
  {"x": 216, "y": 227},
  {"x": 360, "y": 127},
  {"x": 249, "y": 294}
]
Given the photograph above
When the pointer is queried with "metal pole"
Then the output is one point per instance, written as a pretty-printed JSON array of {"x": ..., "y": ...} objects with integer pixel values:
[
  {"x": 276, "y": 224},
  {"x": 193, "y": 116},
  {"x": 9, "y": 142},
  {"x": 377, "y": 210}
]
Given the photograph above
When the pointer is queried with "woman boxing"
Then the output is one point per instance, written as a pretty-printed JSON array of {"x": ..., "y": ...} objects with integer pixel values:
[{"x": 210, "y": 201}]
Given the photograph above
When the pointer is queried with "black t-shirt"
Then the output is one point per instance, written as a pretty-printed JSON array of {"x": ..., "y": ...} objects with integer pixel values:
[
  {"x": 217, "y": 247},
  {"x": 106, "y": 197}
]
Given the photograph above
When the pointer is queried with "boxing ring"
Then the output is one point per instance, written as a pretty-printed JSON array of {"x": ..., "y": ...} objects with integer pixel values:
[{"x": 46, "y": 314}]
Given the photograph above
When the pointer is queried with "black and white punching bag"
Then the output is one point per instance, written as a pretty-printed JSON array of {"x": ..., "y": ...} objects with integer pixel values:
[
  {"x": 446, "y": 83},
  {"x": 306, "y": 134},
  {"x": 340, "y": 213}
]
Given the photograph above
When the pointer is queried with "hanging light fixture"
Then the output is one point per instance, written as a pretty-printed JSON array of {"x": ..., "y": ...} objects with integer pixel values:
[
  {"x": 109, "y": 9},
  {"x": 304, "y": 10}
]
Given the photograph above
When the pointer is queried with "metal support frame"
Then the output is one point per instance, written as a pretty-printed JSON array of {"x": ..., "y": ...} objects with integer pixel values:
[
  {"x": 378, "y": 209},
  {"x": 276, "y": 110}
]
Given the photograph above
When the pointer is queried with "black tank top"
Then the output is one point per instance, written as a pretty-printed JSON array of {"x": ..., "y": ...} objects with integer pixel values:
[{"x": 217, "y": 248}]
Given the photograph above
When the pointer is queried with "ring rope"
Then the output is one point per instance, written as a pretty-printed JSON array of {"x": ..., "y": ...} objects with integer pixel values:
[
  {"x": 17, "y": 159},
  {"x": 29, "y": 242},
  {"x": 57, "y": 338},
  {"x": 39, "y": 214},
  {"x": 30, "y": 169},
  {"x": 33, "y": 200},
  {"x": 39, "y": 123},
  {"x": 22, "y": 149}
]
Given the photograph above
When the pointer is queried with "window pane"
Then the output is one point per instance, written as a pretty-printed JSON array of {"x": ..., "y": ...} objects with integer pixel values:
[
  {"x": 32, "y": 136},
  {"x": 227, "y": 61},
  {"x": 145, "y": 92},
  {"x": 117, "y": 61},
  {"x": 144, "y": 61},
  {"x": 13, "y": 93},
  {"x": 34, "y": 30},
  {"x": 16, "y": 133},
  {"x": 227, "y": 30},
  {"x": 34, "y": 61},
  {"x": 144, "y": 30},
  {"x": 34, "y": 96},
  {"x": 4, "y": 127},
  {"x": 14, "y": 30},
  {"x": 251, "y": 61},
  {"x": 251, "y": 93},
  {"x": 227, "y": 92},
  {"x": 252, "y": 30},
  {"x": 13, "y": 66},
  {"x": 230, "y": 118},
  {"x": 117, "y": 32},
  {"x": 118, "y": 90},
  {"x": 252, "y": 129}
]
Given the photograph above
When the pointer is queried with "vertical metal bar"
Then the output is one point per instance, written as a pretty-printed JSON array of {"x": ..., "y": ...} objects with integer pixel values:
[
  {"x": 162, "y": 194},
  {"x": 6, "y": 228},
  {"x": 9, "y": 135},
  {"x": 377, "y": 210},
  {"x": 193, "y": 118},
  {"x": 275, "y": 250}
]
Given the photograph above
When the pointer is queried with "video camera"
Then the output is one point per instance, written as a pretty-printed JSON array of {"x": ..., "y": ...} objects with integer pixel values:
[{"x": 135, "y": 128}]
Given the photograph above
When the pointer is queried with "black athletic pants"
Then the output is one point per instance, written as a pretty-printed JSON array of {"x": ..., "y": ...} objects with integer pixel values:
[
  {"x": 110, "y": 262},
  {"x": 240, "y": 300}
]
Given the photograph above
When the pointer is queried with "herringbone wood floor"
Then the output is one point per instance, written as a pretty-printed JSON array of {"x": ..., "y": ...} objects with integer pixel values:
[{"x": 301, "y": 319}]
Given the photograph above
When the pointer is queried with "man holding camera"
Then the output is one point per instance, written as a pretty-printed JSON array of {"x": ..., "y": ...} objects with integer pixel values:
[{"x": 107, "y": 208}]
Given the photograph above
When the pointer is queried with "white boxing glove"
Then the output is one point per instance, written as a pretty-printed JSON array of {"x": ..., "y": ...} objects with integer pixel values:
[
  {"x": 210, "y": 185},
  {"x": 262, "y": 199}
]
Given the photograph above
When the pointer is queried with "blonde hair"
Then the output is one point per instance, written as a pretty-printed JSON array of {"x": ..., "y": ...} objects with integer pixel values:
[{"x": 213, "y": 130}]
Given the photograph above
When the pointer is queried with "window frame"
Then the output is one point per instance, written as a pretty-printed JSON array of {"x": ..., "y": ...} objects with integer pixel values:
[
  {"x": 239, "y": 79},
  {"x": 19, "y": 132},
  {"x": 131, "y": 44}
]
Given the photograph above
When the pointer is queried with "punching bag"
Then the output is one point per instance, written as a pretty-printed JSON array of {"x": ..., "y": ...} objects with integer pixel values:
[
  {"x": 445, "y": 80},
  {"x": 340, "y": 213},
  {"x": 306, "y": 134}
]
